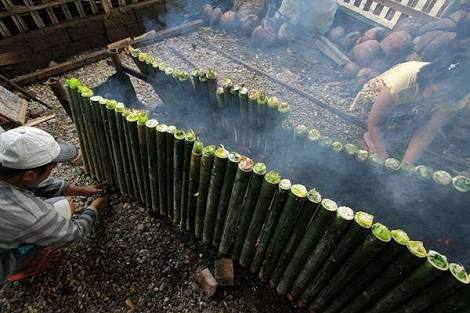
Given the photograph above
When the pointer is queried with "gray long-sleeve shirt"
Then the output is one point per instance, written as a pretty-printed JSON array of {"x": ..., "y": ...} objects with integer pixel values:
[{"x": 27, "y": 219}]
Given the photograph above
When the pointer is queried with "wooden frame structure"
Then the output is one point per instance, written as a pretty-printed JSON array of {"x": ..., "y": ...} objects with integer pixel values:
[
  {"x": 30, "y": 15},
  {"x": 388, "y": 12}
]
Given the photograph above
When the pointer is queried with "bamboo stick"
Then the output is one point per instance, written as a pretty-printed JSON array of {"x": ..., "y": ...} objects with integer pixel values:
[
  {"x": 207, "y": 161},
  {"x": 193, "y": 185},
  {"x": 152, "y": 161},
  {"x": 162, "y": 130},
  {"x": 178, "y": 168},
  {"x": 189, "y": 140}
]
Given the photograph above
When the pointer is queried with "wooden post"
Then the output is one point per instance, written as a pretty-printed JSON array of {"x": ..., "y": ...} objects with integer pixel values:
[{"x": 106, "y": 6}]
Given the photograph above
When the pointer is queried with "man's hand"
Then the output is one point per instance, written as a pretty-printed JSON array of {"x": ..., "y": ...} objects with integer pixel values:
[
  {"x": 100, "y": 204},
  {"x": 93, "y": 190}
]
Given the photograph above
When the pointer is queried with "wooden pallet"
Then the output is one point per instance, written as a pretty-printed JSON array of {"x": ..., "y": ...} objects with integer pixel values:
[{"x": 388, "y": 12}]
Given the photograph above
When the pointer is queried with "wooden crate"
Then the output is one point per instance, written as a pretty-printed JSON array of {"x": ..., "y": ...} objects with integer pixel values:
[{"x": 388, "y": 12}]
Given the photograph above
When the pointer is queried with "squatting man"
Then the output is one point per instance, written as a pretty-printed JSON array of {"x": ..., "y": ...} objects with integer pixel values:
[{"x": 35, "y": 217}]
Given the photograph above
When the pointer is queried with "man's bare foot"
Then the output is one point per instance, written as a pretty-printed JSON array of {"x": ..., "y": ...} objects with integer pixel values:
[{"x": 368, "y": 142}]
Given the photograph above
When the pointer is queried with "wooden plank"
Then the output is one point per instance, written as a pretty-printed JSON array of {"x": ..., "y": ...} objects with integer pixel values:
[
  {"x": 4, "y": 31},
  {"x": 39, "y": 120},
  {"x": 106, "y": 4},
  {"x": 25, "y": 9},
  {"x": 343, "y": 57},
  {"x": 66, "y": 10},
  {"x": 437, "y": 7},
  {"x": 8, "y": 58},
  {"x": 34, "y": 14},
  {"x": 94, "y": 7},
  {"x": 12, "y": 107},
  {"x": 370, "y": 15},
  {"x": 51, "y": 13},
  {"x": 19, "y": 23},
  {"x": 79, "y": 6},
  {"x": 415, "y": 12}
]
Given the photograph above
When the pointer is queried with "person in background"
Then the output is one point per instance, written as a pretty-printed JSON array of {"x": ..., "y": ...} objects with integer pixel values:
[
  {"x": 418, "y": 95},
  {"x": 32, "y": 229}
]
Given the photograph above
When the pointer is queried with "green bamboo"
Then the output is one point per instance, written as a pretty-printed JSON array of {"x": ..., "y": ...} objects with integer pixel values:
[
  {"x": 266, "y": 195},
  {"x": 229, "y": 179},
  {"x": 458, "y": 302},
  {"x": 364, "y": 254},
  {"x": 435, "y": 266},
  {"x": 212, "y": 86},
  {"x": 162, "y": 131},
  {"x": 189, "y": 140},
  {"x": 249, "y": 202},
  {"x": 193, "y": 185},
  {"x": 308, "y": 211},
  {"x": 454, "y": 279},
  {"x": 308, "y": 241},
  {"x": 118, "y": 112},
  {"x": 132, "y": 120},
  {"x": 84, "y": 94},
  {"x": 178, "y": 164},
  {"x": 104, "y": 114},
  {"x": 394, "y": 273},
  {"x": 275, "y": 211},
  {"x": 207, "y": 161},
  {"x": 300, "y": 135},
  {"x": 170, "y": 142},
  {"x": 322, "y": 250},
  {"x": 284, "y": 227},
  {"x": 242, "y": 177},
  {"x": 213, "y": 196},
  {"x": 152, "y": 161},
  {"x": 104, "y": 150},
  {"x": 144, "y": 159},
  {"x": 133, "y": 174},
  {"x": 396, "y": 247},
  {"x": 72, "y": 89}
]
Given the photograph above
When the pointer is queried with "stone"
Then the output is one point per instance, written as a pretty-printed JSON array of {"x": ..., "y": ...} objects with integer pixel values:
[
  {"x": 223, "y": 272},
  {"x": 207, "y": 281},
  {"x": 35, "y": 112}
]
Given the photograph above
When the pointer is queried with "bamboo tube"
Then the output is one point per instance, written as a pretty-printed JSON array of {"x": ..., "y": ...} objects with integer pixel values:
[
  {"x": 261, "y": 108},
  {"x": 144, "y": 159},
  {"x": 300, "y": 135},
  {"x": 132, "y": 120},
  {"x": 267, "y": 232},
  {"x": 178, "y": 164},
  {"x": 461, "y": 183},
  {"x": 104, "y": 150},
  {"x": 115, "y": 157},
  {"x": 227, "y": 85},
  {"x": 348, "y": 244},
  {"x": 249, "y": 202},
  {"x": 235, "y": 111},
  {"x": 308, "y": 241},
  {"x": 308, "y": 211},
  {"x": 108, "y": 128},
  {"x": 213, "y": 196},
  {"x": 189, "y": 140},
  {"x": 242, "y": 177},
  {"x": 396, "y": 247},
  {"x": 162, "y": 131},
  {"x": 170, "y": 142},
  {"x": 252, "y": 116},
  {"x": 266, "y": 195},
  {"x": 193, "y": 185},
  {"x": 373, "y": 244},
  {"x": 243, "y": 95},
  {"x": 271, "y": 124},
  {"x": 453, "y": 280},
  {"x": 228, "y": 181},
  {"x": 84, "y": 93},
  {"x": 152, "y": 161},
  {"x": 118, "y": 118},
  {"x": 457, "y": 302},
  {"x": 204, "y": 88},
  {"x": 322, "y": 250},
  {"x": 207, "y": 161},
  {"x": 394, "y": 273},
  {"x": 435, "y": 266},
  {"x": 72, "y": 89},
  {"x": 130, "y": 157},
  {"x": 284, "y": 227},
  {"x": 212, "y": 86}
]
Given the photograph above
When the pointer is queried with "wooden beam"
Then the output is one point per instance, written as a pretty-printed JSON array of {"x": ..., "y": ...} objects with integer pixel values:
[
  {"x": 60, "y": 68},
  {"x": 103, "y": 53},
  {"x": 21, "y": 9},
  {"x": 39, "y": 120}
]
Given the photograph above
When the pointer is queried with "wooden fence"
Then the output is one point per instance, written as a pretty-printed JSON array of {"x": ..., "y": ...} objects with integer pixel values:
[
  {"x": 388, "y": 12},
  {"x": 21, "y": 16}
]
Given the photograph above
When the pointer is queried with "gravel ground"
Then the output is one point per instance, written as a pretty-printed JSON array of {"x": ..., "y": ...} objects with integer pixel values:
[{"x": 135, "y": 263}]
